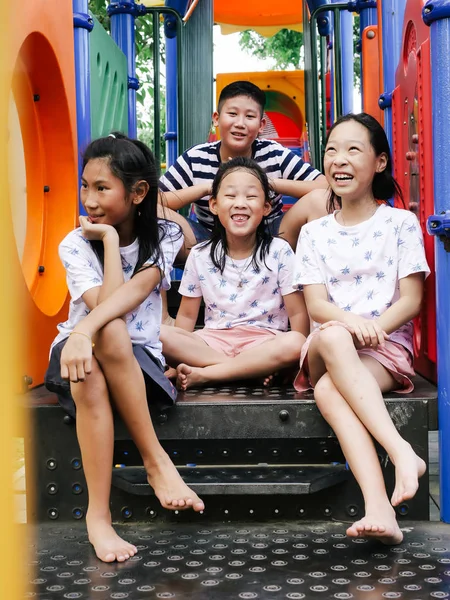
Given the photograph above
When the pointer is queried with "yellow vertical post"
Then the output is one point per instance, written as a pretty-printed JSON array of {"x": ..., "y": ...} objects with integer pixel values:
[{"x": 12, "y": 555}]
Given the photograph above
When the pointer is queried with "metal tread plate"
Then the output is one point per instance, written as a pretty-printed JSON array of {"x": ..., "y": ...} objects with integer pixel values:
[
  {"x": 250, "y": 561},
  {"x": 236, "y": 480}
]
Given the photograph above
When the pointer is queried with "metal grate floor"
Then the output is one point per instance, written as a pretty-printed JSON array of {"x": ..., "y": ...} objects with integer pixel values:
[{"x": 254, "y": 560}]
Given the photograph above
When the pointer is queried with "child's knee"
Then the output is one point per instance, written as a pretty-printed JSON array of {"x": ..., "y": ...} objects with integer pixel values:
[
  {"x": 334, "y": 338},
  {"x": 113, "y": 341},
  {"x": 290, "y": 346},
  {"x": 323, "y": 394},
  {"x": 92, "y": 391}
]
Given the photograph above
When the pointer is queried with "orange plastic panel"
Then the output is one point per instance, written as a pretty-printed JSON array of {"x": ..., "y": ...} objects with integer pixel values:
[
  {"x": 371, "y": 73},
  {"x": 43, "y": 87},
  {"x": 265, "y": 13}
]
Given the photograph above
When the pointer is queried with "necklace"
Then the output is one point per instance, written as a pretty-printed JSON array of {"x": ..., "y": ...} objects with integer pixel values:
[
  {"x": 339, "y": 212},
  {"x": 241, "y": 270}
]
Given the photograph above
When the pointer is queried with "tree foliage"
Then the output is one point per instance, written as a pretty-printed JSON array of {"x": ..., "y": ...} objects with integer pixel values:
[
  {"x": 144, "y": 71},
  {"x": 283, "y": 48}
]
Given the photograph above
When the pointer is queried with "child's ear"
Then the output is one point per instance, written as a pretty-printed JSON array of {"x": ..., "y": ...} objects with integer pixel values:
[
  {"x": 215, "y": 118},
  {"x": 267, "y": 208},
  {"x": 262, "y": 125},
  {"x": 140, "y": 191},
  {"x": 382, "y": 161},
  {"x": 213, "y": 205}
]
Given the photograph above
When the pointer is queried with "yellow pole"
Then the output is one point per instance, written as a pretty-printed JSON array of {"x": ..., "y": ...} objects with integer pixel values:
[{"x": 12, "y": 551}]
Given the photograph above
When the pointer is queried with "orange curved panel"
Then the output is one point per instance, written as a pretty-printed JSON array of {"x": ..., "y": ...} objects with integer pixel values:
[
  {"x": 260, "y": 13},
  {"x": 43, "y": 90}
]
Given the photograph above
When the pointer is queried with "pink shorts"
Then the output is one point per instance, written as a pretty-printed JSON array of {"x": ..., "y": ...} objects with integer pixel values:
[
  {"x": 394, "y": 357},
  {"x": 235, "y": 340}
]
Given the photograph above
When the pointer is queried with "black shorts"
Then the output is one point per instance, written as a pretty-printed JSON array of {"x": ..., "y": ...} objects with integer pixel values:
[{"x": 160, "y": 392}]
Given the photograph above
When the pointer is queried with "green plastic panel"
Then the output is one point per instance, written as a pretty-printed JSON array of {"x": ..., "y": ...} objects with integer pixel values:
[
  {"x": 197, "y": 65},
  {"x": 109, "y": 84}
]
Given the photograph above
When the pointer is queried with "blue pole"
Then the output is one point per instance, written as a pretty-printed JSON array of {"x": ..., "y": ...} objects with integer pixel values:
[
  {"x": 437, "y": 15},
  {"x": 83, "y": 24},
  {"x": 171, "y": 135},
  {"x": 392, "y": 27},
  {"x": 347, "y": 61},
  {"x": 123, "y": 14}
]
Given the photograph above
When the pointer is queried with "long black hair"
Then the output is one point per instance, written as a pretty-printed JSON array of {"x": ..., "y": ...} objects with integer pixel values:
[
  {"x": 218, "y": 241},
  {"x": 384, "y": 186},
  {"x": 132, "y": 161}
]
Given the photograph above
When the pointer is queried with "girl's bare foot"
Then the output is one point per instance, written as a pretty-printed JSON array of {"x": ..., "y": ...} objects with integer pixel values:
[
  {"x": 170, "y": 488},
  {"x": 170, "y": 373},
  {"x": 189, "y": 377},
  {"x": 382, "y": 526},
  {"x": 408, "y": 469},
  {"x": 107, "y": 544}
]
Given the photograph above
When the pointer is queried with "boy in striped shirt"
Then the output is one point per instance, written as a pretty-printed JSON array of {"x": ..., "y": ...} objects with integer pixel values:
[{"x": 239, "y": 118}]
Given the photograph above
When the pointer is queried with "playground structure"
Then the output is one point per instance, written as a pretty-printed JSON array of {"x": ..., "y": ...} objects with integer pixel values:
[{"x": 72, "y": 82}]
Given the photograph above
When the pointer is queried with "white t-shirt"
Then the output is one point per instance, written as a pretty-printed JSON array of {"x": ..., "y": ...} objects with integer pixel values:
[
  {"x": 83, "y": 272},
  {"x": 258, "y": 301},
  {"x": 361, "y": 265}
]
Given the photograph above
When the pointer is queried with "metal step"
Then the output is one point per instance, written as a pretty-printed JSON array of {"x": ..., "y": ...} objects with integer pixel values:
[{"x": 235, "y": 480}]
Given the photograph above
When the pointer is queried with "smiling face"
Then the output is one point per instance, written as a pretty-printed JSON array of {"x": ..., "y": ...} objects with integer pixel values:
[
  {"x": 240, "y": 204},
  {"x": 350, "y": 162},
  {"x": 105, "y": 198},
  {"x": 239, "y": 124}
]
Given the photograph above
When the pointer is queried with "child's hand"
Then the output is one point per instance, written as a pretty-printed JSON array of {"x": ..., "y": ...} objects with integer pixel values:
[
  {"x": 95, "y": 231},
  {"x": 366, "y": 332},
  {"x": 76, "y": 357}
]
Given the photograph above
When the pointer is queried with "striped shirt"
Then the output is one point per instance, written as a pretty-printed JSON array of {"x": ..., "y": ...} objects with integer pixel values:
[{"x": 200, "y": 164}]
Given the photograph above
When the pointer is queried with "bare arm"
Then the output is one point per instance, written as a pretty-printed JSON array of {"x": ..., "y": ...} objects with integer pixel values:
[
  {"x": 407, "y": 306},
  {"x": 366, "y": 332},
  {"x": 297, "y": 313},
  {"x": 298, "y": 188},
  {"x": 188, "y": 313},
  {"x": 312, "y": 206},
  {"x": 179, "y": 198},
  {"x": 113, "y": 274},
  {"x": 76, "y": 358}
]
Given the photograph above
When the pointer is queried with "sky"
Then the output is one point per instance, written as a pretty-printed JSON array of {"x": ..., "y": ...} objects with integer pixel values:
[{"x": 229, "y": 58}]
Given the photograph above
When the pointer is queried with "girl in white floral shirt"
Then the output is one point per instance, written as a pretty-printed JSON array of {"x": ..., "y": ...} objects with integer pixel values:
[
  {"x": 362, "y": 270},
  {"x": 245, "y": 279}
]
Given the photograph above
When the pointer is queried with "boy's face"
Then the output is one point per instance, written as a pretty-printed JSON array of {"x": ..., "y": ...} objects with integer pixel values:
[{"x": 239, "y": 123}]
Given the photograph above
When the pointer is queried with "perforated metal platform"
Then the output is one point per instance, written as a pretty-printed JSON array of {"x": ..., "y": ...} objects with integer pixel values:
[{"x": 252, "y": 560}]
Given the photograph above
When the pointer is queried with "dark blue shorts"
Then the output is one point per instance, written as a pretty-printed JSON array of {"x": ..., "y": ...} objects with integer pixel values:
[{"x": 160, "y": 392}]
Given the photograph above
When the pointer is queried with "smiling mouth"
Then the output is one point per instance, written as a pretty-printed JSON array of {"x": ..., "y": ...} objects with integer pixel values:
[
  {"x": 342, "y": 177},
  {"x": 240, "y": 218}
]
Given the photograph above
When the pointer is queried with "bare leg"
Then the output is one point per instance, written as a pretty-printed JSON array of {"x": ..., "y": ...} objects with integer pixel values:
[
  {"x": 180, "y": 345},
  {"x": 126, "y": 383},
  {"x": 283, "y": 351},
  {"x": 96, "y": 437},
  {"x": 379, "y": 520},
  {"x": 358, "y": 381}
]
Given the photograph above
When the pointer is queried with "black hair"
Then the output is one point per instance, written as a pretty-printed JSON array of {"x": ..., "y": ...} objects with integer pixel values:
[
  {"x": 384, "y": 186},
  {"x": 218, "y": 240},
  {"x": 242, "y": 88},
  {"x": 132, "y": 161}
]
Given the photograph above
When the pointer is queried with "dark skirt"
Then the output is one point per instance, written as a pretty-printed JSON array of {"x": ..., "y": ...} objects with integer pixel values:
[{"x": 160, "y": 392}]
